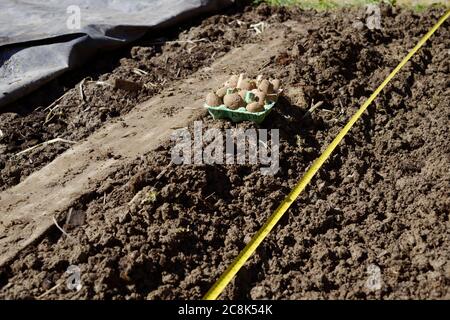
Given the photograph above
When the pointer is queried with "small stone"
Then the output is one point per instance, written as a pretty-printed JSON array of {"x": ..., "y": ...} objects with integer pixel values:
[{"x": 358, "y": 25}]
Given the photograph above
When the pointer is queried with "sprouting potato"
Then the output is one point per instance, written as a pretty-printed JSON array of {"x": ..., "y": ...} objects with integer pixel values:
[
  {"x": 276, "y": 84},
  {"x": 254, "y": 107},
  {"x": 260, "y": 96},
  {"x": 213, "y": 100},
  {"x": 242, "y": 93},
  {"x": 232, "y": 81},
  {"x": 221, "y": 92},
  {"x": 247, "y": 84},
  {"x": 265, "y": 86},
  {"x": 233, "y": 101}
]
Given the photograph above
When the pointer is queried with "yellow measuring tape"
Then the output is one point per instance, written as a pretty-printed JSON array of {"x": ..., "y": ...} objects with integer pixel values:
[{"x": 250, "y": 248}]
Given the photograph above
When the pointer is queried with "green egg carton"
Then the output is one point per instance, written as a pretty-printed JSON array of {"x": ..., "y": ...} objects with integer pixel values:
[{"x": 241, "y": 114}]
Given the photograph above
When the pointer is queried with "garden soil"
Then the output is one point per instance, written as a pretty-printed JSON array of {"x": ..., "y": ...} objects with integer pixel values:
[{"x": 154, "y": 230}]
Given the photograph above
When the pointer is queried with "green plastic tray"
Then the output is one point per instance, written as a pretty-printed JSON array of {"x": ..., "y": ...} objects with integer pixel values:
[{"x": 241, "y": 114}]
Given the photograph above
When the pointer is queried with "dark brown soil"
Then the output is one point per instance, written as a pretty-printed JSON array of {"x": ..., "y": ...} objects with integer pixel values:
[{"x": 160, "y": 231}]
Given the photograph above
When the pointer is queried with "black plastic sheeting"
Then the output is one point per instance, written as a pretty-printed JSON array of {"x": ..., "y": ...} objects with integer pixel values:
[{"x": 42, "y": 39}]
